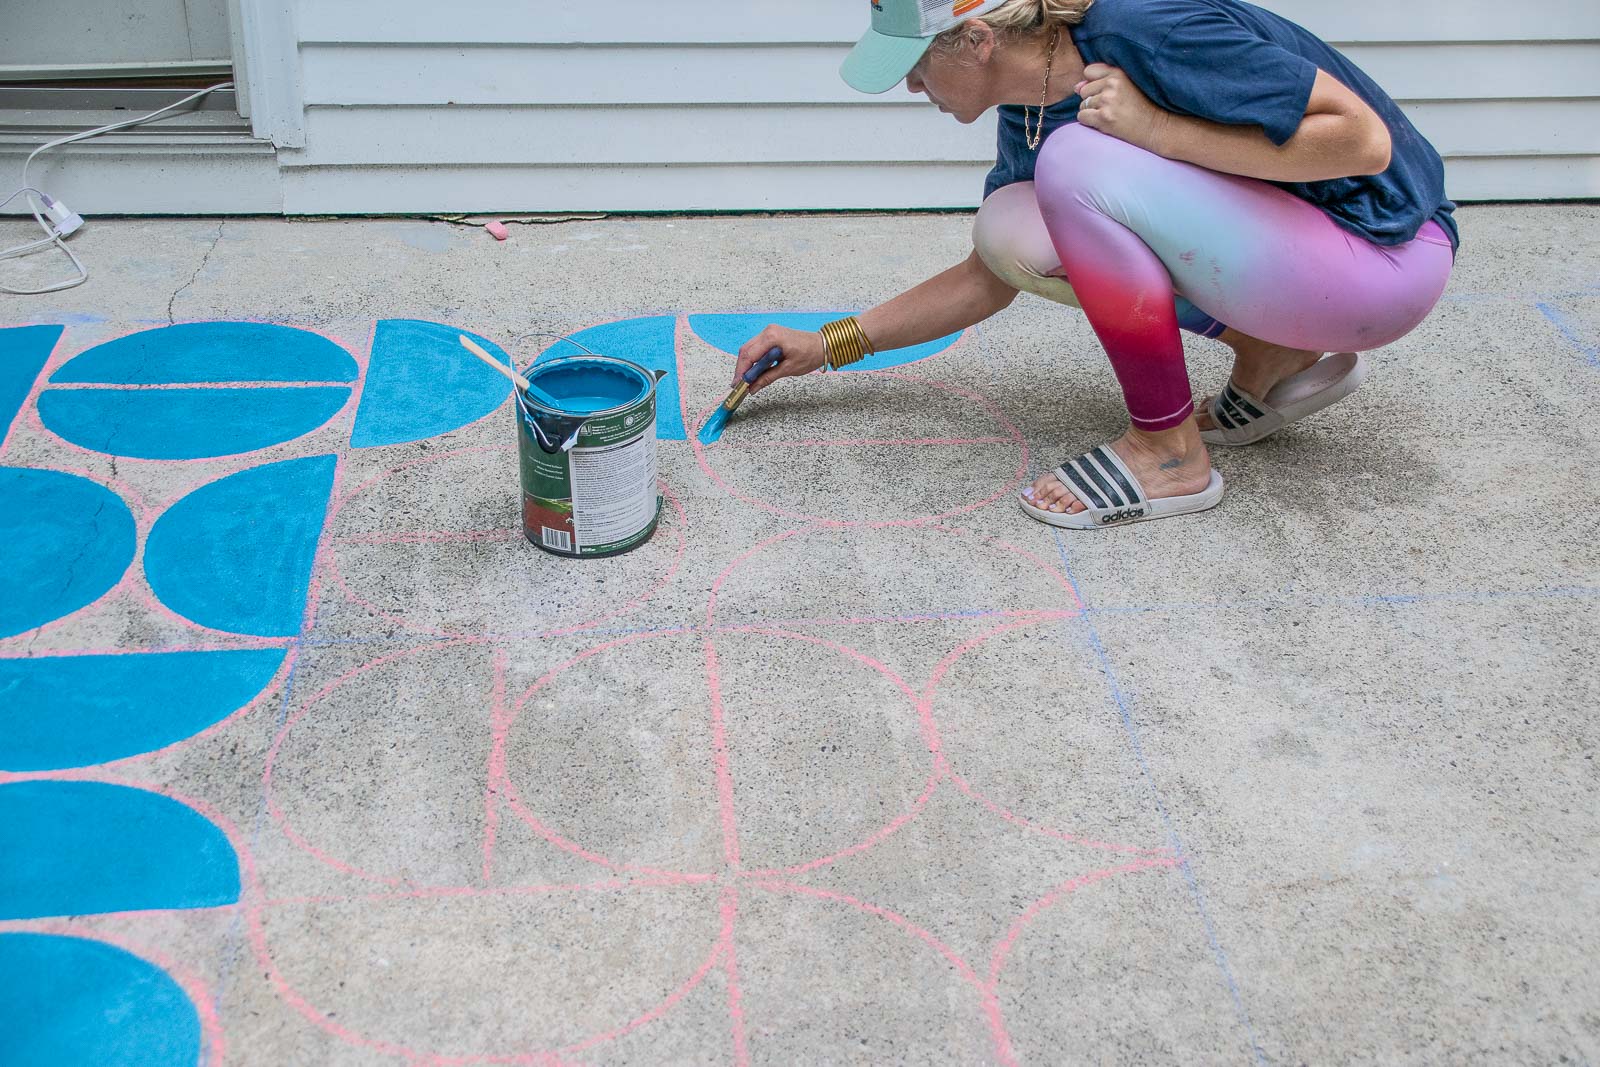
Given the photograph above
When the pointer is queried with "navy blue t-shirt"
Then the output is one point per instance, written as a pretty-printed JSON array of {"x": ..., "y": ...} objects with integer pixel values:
[{"x": 1232, "y": 62}]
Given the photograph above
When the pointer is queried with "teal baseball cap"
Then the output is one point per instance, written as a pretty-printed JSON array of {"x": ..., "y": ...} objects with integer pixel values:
[{"x": 901, "y": 32}]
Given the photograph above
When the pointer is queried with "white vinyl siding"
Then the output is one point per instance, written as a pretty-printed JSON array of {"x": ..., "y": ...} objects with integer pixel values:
[
  {"x": 640, "y": 105},
  {"x": 409, "y": 106}
]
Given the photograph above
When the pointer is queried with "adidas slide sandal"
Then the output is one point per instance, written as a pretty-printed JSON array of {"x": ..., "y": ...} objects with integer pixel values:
[
  {"x": 1114, "y": 496},
  {"x": 1238, "y": 418}
]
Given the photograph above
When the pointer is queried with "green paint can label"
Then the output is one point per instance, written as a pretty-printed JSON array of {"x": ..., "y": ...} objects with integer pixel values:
[{"x": 588, "y": 460}]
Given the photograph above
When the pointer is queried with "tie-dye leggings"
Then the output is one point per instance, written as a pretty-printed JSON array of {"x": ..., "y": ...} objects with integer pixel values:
[{"x": 1147, "y": 245}]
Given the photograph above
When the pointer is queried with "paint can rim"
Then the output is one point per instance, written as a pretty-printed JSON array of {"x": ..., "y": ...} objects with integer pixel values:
[{"x": 646, "y": 379}]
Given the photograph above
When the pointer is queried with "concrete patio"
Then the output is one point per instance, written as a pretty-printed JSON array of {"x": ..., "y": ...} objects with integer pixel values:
[{"x": 853, "y": 762}]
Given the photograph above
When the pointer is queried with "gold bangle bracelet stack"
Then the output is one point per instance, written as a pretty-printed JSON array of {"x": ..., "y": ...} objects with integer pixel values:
[{"x": 845, "y": 342}]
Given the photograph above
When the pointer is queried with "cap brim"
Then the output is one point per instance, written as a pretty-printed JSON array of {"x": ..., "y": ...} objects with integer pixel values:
[{"x": 879, "y": 62}]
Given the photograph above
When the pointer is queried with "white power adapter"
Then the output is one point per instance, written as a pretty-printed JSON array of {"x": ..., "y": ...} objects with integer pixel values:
[
  {"x": 63, "y": 220},
  {"x": 67, "y": 220}
]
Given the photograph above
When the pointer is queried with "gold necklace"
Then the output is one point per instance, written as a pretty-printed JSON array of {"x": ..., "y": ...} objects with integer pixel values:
[{"x": 1034, "y": 137}]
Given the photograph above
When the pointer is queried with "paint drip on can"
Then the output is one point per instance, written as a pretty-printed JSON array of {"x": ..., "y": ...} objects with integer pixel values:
[{"x": 586, "y": 447}]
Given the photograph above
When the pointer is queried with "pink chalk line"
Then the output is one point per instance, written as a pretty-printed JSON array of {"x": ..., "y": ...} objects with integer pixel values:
[
  {"x": 1072, "y": 839},
  {"x": 269, "y": 795},
  {"x": 681, "y": 333},
  {"x": 720, "y": 747},
  {"x": 36, "y": 424},
  {"x": 988, "y": 1000},
  {"x": 678, "y": 530},
  {"x": 1015, "y": 437},
  {"x": 1002, "y": 951},
  {"x": 730, "y": 914},
  {"x": 716, "y": 584},
  {"x": 948, "y": 616},
  {"x": 883, "y": 834},
  {"x": 507, "y": 791},
  {"x": 134, "y": 387},
  {"x": 430, "y": 537},
  {"x": 1039, "y": 565},
  {"x": 469, "y": 892},
  {"x": 926, "y": 703},
  {"x": 295, "y": 999},
  {"x": 866, "y": 442},
  {"x": 495, "y": 770},
  {"x": 719, "y": 757}
]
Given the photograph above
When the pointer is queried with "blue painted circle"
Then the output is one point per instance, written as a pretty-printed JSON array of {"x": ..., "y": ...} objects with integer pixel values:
[
  {"x": 583, "y": 386},
  {"x": 66, "y": 1000},
  {"x": 187, "y": 423},
  {"x": 88, "y": 848},
  {"x": 193, "y": 353},
  {"x": 67, "y": 541},
  {"x": 420, "y": 384},
  {"x": 155, "y": 417},
  {"x": 236, "y": 554},
  {"x": 74, "y": 711}
]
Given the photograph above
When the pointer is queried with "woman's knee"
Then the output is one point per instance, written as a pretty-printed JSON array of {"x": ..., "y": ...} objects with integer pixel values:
[
  {"x": 1010, "y": 237},
  {"x": 1077, "y": 159}
]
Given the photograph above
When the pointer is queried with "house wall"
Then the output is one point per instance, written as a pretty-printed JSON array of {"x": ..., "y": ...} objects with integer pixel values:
[{"x": 639, "y": 105}]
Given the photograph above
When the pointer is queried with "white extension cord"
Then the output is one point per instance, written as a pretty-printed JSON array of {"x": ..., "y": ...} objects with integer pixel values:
[{"x": 63, "y": 220}]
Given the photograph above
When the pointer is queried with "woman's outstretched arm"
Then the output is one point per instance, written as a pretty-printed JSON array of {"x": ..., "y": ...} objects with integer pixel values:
[{"x": 965, "y": 294}]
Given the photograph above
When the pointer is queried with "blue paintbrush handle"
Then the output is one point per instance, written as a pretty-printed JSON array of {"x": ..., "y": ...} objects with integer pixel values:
[{"x": 773, "y": 357}]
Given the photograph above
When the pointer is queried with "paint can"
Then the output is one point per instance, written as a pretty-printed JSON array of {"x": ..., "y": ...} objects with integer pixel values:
[{"x": 588, "y": 457}]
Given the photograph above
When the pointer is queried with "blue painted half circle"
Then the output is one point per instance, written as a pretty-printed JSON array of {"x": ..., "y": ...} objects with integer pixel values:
[
  {"x": 187, "y": 423},
  {"x": 730, "y": 332},
  {"x": 67, "y": 540},
  {"x": 75, "y": 711},
  {"x": 236, "y": 554},
  {"x": 195, "y": 352},
  {"x": 650, "y": 342},
  {"x": 70, "y": 1000},
  {"x": 23, "y": 353},
  {"x": 86, "y": 848},
  {"x": 422, "y": 383}
]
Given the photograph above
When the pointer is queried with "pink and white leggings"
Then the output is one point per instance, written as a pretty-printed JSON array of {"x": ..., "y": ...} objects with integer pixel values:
[{"x": 1147, "y": 245}]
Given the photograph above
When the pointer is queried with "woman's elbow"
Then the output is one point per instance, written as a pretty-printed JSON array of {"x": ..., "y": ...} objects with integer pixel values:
[{"x": 1377, "y": 150}]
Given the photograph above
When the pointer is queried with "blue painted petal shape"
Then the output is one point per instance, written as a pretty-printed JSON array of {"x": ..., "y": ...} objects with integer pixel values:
[
  {"x": 422, "y": 383},
  {"x": 187, "y": 423},
  {"x": 67, "y": 540},
  {"x": 69, "y": 1000},
  {"x": 85, "y": 848},
  {"x": 652, "y": 343},
  {"x": 74, "y": 711},
  {"x": 236, "y": 554},
  {"x": 194, "y": 352},
  {"x": 730, "y": 332},
  {"x": 23, "y": 352}
]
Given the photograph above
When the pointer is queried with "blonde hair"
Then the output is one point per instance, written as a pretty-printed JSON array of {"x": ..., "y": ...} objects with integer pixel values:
[{"x": 1022, "y": 18}]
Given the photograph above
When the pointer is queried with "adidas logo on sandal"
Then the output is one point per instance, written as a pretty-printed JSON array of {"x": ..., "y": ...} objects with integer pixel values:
[{"x": 1122, "y": 516}]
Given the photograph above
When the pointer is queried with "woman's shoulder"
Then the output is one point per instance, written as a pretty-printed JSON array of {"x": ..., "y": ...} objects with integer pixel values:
[{"x": 1138, "y": 20}]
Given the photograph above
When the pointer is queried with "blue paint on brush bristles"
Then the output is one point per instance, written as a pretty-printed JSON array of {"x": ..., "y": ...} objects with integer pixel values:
[{"x": 711, "y": 432}]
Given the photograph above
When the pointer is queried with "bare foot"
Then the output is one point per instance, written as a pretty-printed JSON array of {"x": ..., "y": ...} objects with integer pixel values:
[
  {"x": 1257, "y": 367},
  {"x": 1169, "y": 463}
]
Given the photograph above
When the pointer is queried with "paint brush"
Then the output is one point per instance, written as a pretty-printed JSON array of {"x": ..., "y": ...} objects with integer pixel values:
[
  {"x": 522, "y": 383},
  {"x": 712, "y": 430}
]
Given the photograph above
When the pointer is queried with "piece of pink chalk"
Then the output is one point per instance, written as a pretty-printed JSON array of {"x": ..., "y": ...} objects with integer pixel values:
[{"x": 497, "y": 230}]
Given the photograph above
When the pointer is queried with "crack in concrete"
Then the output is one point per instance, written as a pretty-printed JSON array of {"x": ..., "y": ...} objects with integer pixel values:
[
  {"x": 72, "y": 565},
  {"x": 203, "y": 261}
]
